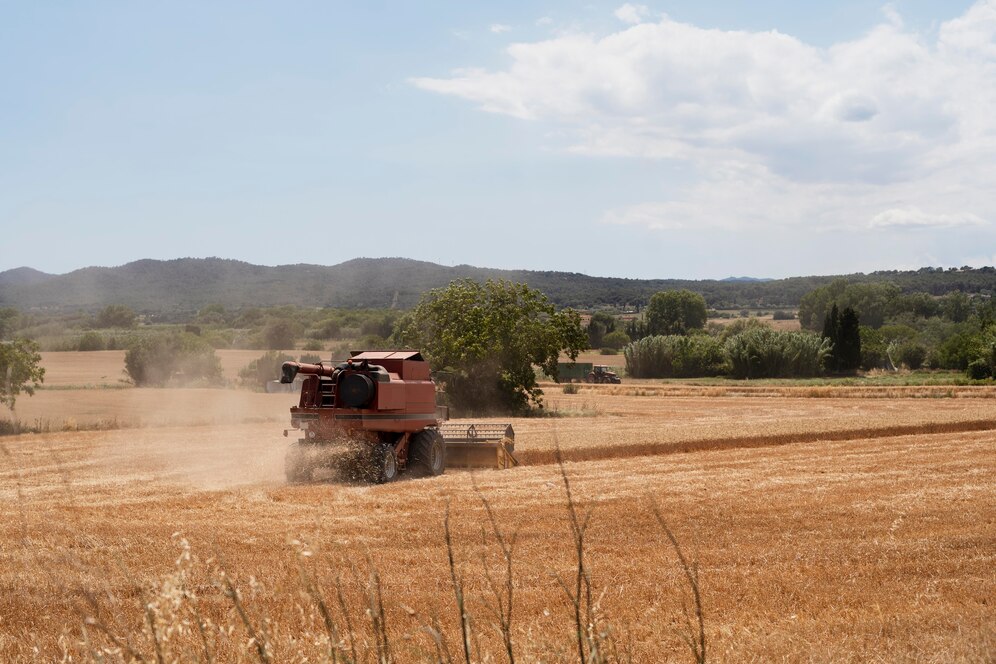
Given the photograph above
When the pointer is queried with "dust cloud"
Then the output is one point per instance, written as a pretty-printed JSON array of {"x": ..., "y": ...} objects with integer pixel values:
[{"x": 224, "y": 438}]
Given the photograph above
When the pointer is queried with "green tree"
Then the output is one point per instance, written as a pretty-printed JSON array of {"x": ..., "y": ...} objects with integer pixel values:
[
  {"x": 487, "y": 338},
  {"x": 280, "y": 334},
  {"x": 115, "y": 315},
  {"x": 616, "y": 340},
  {"x": 636, "y": 329},
  {"x": 176, "y": 358},
  {"x": 873, "y": 348},
  {"x": 848, "y": 352},
  {"x": 843, "y": 332},
  {"x": 675, "y": 312},
  {"x": 91, "y": 341},
  {"x": 8, "y": 320},
  {"x": 910, "y": 354},
  {"x": 956, "y": 306},
  {"x": 212, "y": 314},
  {"x": 871, "y": 301},
  {"x": 19, "y": 370},
  {"x": 601, "y": 324}
]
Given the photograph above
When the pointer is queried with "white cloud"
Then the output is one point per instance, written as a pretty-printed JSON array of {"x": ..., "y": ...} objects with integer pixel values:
[
  {"x": 632, "y": 14},
  {"x": 889, "y": 131},
  {"x": 913, "y": 217},
  {"x": 499, "y": 28},
  {"x": 545, "y": 20}
]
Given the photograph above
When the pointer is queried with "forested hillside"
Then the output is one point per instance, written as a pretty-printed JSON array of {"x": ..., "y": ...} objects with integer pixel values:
[{"x": 188, "y": 284}]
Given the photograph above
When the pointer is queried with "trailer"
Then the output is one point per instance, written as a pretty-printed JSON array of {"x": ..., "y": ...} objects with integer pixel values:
[{"x": 573, "y": 372}]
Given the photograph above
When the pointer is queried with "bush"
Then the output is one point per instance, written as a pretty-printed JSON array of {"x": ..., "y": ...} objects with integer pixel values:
[
  {"x": 608, "y": 351},
  {"x": 373, "y": 342},
  {"x": 172, "y": 359},
  {"x": 616, "y": 340},
  {"x": 571, "y": 388},
  {"x": 873, "y": 349},
  {"x": 115, "y": 315},
  {"x": 260, "y": 371},
  {"x": 765, "y": 353},
  {"x": 979, "y": 370},
  {"x": 217, "y": 338},
  {"x": 309, "y": 358},
  {"x": 379, "y": 325},
  {"x": 674, "y": 356},
  {"x": 313, "y": 344},
  {"x": 280, "y": 334},
  {"x": 91, "y": 341},
  {"x": 962, "y": 348},
  {"x": 740, "y": 325},
  {"x": 783, "y": 315},
  {"x": 326, "y": 329},
  {"x": 910, "y": 354}
]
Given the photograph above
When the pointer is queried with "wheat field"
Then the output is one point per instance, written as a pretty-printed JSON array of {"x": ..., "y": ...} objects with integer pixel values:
[{"x": 824, "y": 528}]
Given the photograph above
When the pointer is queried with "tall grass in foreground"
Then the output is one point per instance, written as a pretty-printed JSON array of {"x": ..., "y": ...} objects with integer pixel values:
[{"x": 331, "y": 624}]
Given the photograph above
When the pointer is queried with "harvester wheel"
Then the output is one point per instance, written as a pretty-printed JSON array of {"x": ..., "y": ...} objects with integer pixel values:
[
  {"x": 297, "y": 467},
  {"x": 428, "y": 452},
  {"x": 388, "y": 463}
]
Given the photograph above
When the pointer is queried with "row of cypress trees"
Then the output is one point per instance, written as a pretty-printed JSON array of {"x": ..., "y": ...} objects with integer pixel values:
[{"x": 842, "y": 329}]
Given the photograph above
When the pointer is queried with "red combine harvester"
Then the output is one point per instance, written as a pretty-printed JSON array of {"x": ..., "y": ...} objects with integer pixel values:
[{"x": 382, "y": 406}]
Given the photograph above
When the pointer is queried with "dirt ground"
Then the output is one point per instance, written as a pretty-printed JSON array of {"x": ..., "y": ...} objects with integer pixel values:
[{"x": 826, "y": 527}]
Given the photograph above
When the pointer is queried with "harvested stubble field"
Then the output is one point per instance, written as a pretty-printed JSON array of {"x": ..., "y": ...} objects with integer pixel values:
[{"x": 825, "y": 529}]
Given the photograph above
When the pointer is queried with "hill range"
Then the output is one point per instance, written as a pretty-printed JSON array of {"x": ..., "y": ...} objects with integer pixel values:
[{"x": 187, "y": 284}]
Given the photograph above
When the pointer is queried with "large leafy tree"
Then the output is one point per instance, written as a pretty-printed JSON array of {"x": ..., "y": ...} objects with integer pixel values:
[
  {"x": 487, "y": 338},
  {"x": 19, "y": 370},
  {"x": 675, "y": 312}
]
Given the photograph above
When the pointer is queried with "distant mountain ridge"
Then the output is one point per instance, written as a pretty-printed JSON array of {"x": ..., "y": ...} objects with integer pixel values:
[{"x": 186, "y": 284}]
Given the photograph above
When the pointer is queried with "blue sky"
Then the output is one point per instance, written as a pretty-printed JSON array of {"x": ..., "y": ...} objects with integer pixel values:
[{"x": 670, "y": 139}]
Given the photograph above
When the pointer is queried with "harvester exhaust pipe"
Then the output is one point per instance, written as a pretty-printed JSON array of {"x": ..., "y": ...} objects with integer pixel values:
[{"x": 290, "y": 370}]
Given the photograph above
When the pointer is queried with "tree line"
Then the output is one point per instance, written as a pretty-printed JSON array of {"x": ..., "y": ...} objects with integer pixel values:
[{"x": 487, "y": 340}]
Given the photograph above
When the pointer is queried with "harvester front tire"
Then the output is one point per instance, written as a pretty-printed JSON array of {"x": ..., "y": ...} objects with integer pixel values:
[
  {"x": 385, "y": 456},
  {"x": 428, "y": 452}
]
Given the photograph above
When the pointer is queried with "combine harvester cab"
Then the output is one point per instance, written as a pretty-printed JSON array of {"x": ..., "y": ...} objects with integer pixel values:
[{"x": 381, "y": 406}]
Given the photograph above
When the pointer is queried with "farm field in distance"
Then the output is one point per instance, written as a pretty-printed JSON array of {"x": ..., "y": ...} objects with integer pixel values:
[{"x": 839, "y": 523}]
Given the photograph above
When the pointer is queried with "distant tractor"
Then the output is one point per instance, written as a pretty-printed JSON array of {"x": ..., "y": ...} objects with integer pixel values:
[
  {"x": 600, "y": 373},
  {"x": 380, "y": 406}
]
